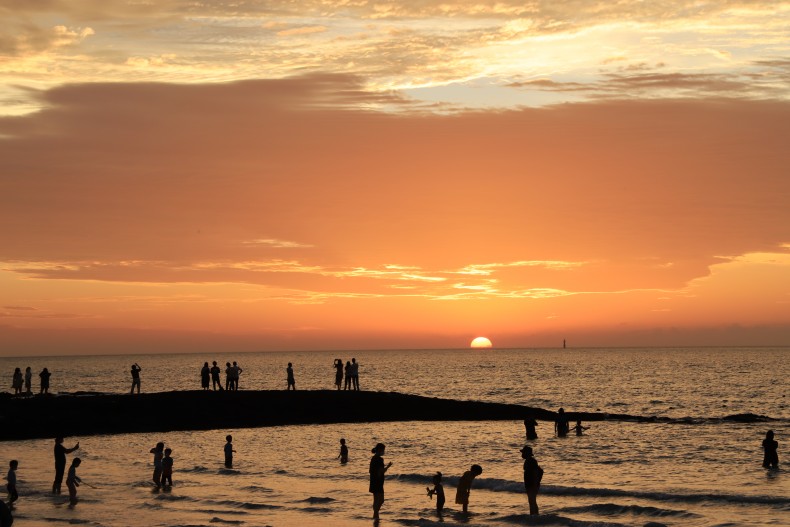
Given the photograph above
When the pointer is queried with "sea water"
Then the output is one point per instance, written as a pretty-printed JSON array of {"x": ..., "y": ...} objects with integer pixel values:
[{"x": 697, "y": 469}]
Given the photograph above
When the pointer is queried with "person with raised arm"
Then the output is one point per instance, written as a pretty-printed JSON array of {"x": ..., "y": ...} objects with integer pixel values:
[
  {"x": 60, "y": 462},
  {"x": 377, "y": 471}
]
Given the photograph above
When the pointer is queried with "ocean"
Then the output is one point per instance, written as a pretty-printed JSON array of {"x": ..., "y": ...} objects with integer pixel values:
[{"x": 693, "y": 469}]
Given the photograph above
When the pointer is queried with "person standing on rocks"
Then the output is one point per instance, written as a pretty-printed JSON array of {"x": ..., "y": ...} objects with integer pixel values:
[
  {"x": 215, "y": 371},
  {"x": 44, "y": 376},
  {"x": 136, "y": 369},
  {"x": 355, "y": 374},
  {"x": 205, "y": 375},
  {"x": 28, "y": 381},
  {"x": 291, "y": 381}
]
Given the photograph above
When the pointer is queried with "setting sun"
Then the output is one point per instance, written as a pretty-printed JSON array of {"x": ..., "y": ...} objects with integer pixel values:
[{"x": 481, "y": 342}]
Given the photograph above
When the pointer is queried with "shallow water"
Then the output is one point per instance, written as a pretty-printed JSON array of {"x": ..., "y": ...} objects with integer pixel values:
[{"x": 706, "y": 474}]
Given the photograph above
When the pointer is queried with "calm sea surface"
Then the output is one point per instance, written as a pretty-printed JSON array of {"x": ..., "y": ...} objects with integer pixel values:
[{"x": 698, "y": 471}]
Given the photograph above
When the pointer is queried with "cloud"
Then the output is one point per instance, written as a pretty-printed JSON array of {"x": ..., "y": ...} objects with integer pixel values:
[
  {"x": 29, "y": 39},
  {"x": 298, "y": 31},
  {"x": 643, "y": 81},
  {"x": 161, "y": 183}
]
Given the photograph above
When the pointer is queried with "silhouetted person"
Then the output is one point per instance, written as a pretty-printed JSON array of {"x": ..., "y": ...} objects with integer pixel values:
[
  {"x": 215, "y": 371},
  {"x": 28, "y": 380},
  {"x": 338, "y": 372},
  {"x": 44, "y": 376},
  {"x": 73, "y": 481},
  {"x": 60, "y": 462},
  {"x": 347, "y": 374},
  {"x": 136, "y": 369},
  {"x": 343, "y": 456},
  {"x": 529, "y": 426},
  {"x": 205, "y": 376},
  {"x": 377, "y": 471},
  {"x": 13, "y": 495},
  {"x": 229, "y": 451},
  {"x": 771, "y": 458},
  {"x": 228, "y": 376},
  {"x": 579, "y": 429},
  {"x": 465, "y": 486},
  {"x": 291, "y": 381},
  {"x": 561, "y": 423},
  {"x": 438, "y": 491},
  {"x": 533, "y": 474},
  {"x": 355, "y": 374},
  {"x": 159, "y": 452},
  {"x": 6, "y": 519},
  {"x": 167, "y": 468},
  {"x": 236, "y": 374},
  {"x": 16, "y": 381}
]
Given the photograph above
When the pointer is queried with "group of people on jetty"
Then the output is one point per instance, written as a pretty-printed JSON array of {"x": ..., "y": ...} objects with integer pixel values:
[
  {"x": 209, "y": 377},
  {"x": 346, "y": 377},
  {"x": 20, "y": 381}
]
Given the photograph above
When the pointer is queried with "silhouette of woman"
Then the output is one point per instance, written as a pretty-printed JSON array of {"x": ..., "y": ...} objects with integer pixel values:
[
  {"x": 28, "y": 380},
  {"x": 377, "y": 471},
  {"x": 771, "y": 458},
  {"x": 205, "y": 376},
  {"x": 215, "y": 371},
  {"x": 338, "y": 372},
  {"x": 16, "y": 381}
]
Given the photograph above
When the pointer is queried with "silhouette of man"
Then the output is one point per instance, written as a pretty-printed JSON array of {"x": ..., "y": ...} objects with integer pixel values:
[
  {"x": 215, "y": 371},
  {"x": 355, "y": 374},
  {"x": 136, "y": 377}
]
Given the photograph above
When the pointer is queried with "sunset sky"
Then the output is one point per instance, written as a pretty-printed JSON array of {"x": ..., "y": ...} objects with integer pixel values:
[{"x": 272, "y": 175}]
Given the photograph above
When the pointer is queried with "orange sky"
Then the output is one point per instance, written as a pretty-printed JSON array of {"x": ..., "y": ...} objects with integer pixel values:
[{"x": 603, "y": 187}]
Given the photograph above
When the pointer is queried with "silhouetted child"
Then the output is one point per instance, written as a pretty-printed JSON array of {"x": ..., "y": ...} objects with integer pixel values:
[
  {"x": 438, "y": 491},
  {"x": 229, "y": 451},
  {"x": 291, "y": 381},
  {"x": 771, "y": 457},
  {"x": 579, "y": 428},
  {"x": 343, "y": 456},
  {"x": 465, "y": 485},
  {"x": 158, "y": 452},
  {"x": 72, "y": 480},
  {"x": 12, "y": 493},
  {"x": 167, "y": 468}
]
